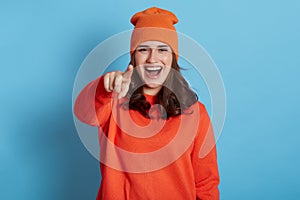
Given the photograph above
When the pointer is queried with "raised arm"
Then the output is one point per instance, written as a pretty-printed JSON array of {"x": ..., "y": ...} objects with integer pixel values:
[{"x": 93, "y": 104}]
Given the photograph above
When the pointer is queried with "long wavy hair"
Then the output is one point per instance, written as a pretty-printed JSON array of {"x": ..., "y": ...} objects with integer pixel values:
[{"x": 172, "y": 104}]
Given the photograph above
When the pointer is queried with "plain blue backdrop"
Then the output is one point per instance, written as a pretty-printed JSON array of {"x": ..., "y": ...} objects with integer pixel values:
[{"x": 255, "y": 45}]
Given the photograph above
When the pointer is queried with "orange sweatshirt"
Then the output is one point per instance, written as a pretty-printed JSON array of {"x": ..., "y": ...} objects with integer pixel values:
[{"x": 150, "y": 159}]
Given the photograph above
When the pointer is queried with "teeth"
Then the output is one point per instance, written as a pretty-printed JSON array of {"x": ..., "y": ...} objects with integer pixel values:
[{"x": 153, "y": 68}]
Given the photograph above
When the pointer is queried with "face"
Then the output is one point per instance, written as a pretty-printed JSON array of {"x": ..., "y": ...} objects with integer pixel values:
[{"x": 153, "y": 62}]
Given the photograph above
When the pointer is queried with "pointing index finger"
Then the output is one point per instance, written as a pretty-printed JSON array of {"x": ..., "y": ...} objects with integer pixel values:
[{"x": 127, "y": 75}]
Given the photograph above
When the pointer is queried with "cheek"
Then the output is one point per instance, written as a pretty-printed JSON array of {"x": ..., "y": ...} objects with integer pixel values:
[
  {"x": 167, "y": 60},
  {"x": 167, "y": 71},
  {"x": 140, "y": 72},
  {"x": 139, "y": 59}
]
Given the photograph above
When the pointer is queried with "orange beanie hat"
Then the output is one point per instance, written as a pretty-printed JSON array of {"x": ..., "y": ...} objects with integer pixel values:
[{"x": 154, "y": 24}]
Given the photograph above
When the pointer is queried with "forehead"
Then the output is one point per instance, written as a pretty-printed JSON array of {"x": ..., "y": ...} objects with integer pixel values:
[{"x": 153, "y": 43}]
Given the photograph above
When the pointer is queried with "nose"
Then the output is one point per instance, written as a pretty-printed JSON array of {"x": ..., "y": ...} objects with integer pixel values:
[{"x": 153, "y": 56}]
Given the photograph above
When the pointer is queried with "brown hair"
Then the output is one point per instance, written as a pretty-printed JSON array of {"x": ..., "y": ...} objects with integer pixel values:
[{"x": 173, "y": 104}]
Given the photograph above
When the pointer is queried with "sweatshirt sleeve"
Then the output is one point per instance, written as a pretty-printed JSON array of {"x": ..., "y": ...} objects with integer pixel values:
[
  {"x": 204, "y": 159},
  {"x": 93, "y": 104}
]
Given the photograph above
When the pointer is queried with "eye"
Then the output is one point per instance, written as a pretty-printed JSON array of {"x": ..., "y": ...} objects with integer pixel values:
[
  {"x": 142, "y": 50},
  {"x": 163, "y": 50}
]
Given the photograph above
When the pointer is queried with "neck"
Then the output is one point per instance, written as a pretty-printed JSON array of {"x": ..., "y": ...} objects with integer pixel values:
[{"x": 151, "y": 91}]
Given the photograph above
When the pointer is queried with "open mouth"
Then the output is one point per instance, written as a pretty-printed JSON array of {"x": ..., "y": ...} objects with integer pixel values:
[{"x": 153, "y": 71}]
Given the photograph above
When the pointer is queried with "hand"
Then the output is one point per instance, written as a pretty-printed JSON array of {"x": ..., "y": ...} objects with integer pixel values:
[{"x": 118, "y": 81}]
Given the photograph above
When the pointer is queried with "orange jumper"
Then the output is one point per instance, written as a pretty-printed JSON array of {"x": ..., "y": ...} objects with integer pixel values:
[{"x": 186, "y": 177}]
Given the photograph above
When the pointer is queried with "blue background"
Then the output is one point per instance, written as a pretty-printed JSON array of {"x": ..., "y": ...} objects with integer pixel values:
[{"x": 255, "y": 45}]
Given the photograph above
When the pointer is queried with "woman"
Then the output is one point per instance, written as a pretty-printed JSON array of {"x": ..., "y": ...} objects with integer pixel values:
[{"x": 152, "y": 127}]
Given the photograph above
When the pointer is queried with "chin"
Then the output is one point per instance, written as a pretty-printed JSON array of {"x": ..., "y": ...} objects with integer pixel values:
[{"x": 153, "y": 85}]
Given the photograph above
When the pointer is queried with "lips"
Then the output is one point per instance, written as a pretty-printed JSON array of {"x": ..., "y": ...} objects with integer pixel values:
[{"x": 152, "y": 71}]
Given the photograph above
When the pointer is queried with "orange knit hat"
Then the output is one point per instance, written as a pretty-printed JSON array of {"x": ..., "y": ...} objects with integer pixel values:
[{"x": 154, "y": 24}]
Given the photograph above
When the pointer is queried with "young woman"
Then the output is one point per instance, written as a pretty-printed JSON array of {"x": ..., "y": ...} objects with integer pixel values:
[{"x": 152, "y": 127}]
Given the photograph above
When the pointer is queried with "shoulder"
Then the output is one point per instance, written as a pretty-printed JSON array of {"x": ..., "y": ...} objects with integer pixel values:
[
  {"x": 201, "y": 105},
  {"x": 202, "y": 113},
  {"x": 198, "y": 107},
  {"x": 198, "y": 113}
]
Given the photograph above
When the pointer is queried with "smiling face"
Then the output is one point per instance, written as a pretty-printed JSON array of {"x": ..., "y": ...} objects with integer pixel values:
[{"x": 153, "y": 60}]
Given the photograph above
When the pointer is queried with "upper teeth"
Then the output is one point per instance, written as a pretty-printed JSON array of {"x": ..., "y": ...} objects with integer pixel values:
[{"x": 153, "y": 68}]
